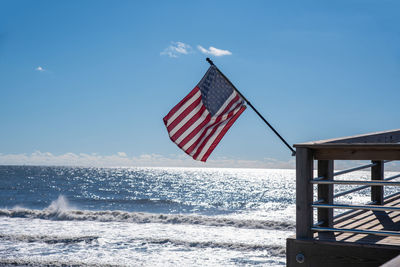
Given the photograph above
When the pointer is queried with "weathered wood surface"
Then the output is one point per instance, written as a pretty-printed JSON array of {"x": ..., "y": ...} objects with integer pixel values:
[
  {"x": 325, "y": 192},
  {"x": 358, "y": 152},
  {"x": 367, "y": 220},
  {"x": 391, "y": 136},
  {"x": 346, "y": 249},
  {"x": 304, "y": 193},
  {"x": 372, "y": 146},
  {"x": 367, "y": 146},
  {"x": 336, "y": 248},
  {"x": 330, "y": 254},
  {"x": 377, "y": 173}
]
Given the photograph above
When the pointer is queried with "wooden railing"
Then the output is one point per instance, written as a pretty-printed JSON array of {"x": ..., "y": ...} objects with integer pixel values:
[{"x": 378, "y": 148}]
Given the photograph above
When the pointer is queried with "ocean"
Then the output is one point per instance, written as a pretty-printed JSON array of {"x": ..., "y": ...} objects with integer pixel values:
[{"x": 63, "y": 216}]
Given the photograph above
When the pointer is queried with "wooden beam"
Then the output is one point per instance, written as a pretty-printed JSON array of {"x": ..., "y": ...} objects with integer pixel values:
[
  {"x": 304, "y": 193},
  {"x": 325, "y": 192},
  {"x": 333, "y": 254},
  {"x": 351, "y": 146},
  {"x": 360, "y": 153},
  {"x": 377, "y": 173},
  {"x": 392, "y": 136}
]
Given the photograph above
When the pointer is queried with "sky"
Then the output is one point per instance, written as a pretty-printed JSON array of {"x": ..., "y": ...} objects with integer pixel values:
[{"x": 88, "y": 82}]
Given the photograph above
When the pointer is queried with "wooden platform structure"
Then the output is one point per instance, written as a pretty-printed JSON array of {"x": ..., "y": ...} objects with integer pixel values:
[{"x": 366, "y": 234}]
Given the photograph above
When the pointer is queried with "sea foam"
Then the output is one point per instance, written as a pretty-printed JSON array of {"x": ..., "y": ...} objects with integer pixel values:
[{"x": 60, "y": 209}]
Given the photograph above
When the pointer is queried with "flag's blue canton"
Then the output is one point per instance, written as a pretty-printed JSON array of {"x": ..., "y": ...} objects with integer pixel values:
[{"x": 215, "y": 90}]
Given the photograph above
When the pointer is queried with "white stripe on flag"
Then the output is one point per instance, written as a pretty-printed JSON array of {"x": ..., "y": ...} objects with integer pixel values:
[
  {"x": 192, "y": 127},
  {"x": 224, "y": 117},
  {"x": 206, "y": 135},
  {"x": 196, "y": 137},
  {"x": 215, "y": 135},
  {"x": 222, "y": 108},
  {"x": 185, "y": 119},
  {"x": 181, "y": 109}
]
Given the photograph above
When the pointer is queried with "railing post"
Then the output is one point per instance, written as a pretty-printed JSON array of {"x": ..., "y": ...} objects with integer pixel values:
[
  {"x": 377, "y": 173},
  {"x": 304, "y": 193},
  {"x": 325, "y": 192}
]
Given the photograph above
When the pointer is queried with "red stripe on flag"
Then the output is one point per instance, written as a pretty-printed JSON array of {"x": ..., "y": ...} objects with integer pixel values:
[
  {"x": 228, "y": 116},
  {"x": 184, "y": 114},
  {"x": 234, "y": 101},
  {"x": 218, "y": 119},
  {"x": 211, "y": 134},
  {"x": 193, "y": 133},
  {"x": 189, "y": 123},
  {"x": 180, "y": 104},
  {"x": 222, "y": 133},
  {"x": 199, "y": 139}
]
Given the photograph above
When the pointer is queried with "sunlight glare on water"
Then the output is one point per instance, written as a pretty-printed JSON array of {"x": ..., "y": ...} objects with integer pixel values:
[{"x": 147, "y": 216}]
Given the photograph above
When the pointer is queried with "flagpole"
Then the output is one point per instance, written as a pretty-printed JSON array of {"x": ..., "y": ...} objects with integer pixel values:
[{"x": 255, "y": 110}]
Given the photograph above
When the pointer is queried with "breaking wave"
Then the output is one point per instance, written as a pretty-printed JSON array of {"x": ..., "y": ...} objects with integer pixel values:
[
  {"x": 140, "y": 217},
  {"x": 48, "y": 263},
  {"x": 274, "y": 250},
  {"x": 60, "y": 210},
  {"x": 48, "y": 239}
]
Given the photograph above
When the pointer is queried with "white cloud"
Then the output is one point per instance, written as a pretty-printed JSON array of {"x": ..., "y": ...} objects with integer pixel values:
[
  {"x": 214, "y": 51},
  {"x": 176, "y": 49},
  {"x": 39, "y": 68}
]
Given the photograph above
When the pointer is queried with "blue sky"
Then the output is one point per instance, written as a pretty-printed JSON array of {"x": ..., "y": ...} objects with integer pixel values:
[{"x": 95, "y": 78}]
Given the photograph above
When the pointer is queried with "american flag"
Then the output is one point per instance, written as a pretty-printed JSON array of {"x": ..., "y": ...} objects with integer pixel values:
[{"x": 200, "y": 120}]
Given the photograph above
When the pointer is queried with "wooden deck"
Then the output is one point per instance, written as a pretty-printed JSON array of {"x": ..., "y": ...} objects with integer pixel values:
[
  {"x": 332, "y": 249},
  {"x": 368, "y": 235},
  {"x": 367, "y": 220}
]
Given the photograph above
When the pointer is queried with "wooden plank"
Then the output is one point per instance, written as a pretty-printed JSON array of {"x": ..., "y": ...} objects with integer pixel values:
[
  {"x": 304, "y": 193},
  {"x": 325, "y": 192},
  {"x": 367, "y": 220},
  {"x": 377, "y": 173},
  {"x": 351, "y": 146},
  {"x": 333, "y": 254},
  {"x": 391, "y": 136},
  {"x": 357, "y": 154}
]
